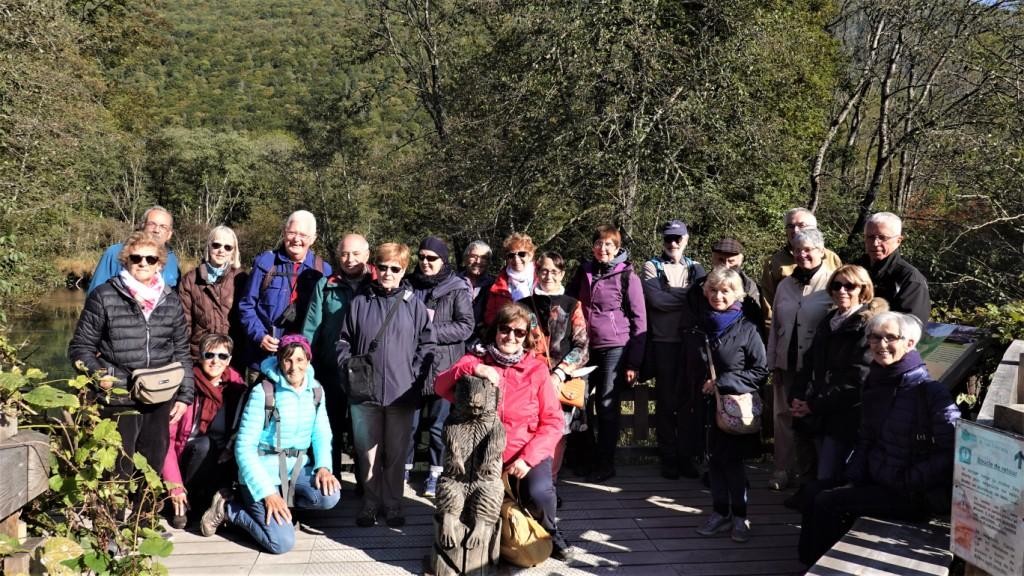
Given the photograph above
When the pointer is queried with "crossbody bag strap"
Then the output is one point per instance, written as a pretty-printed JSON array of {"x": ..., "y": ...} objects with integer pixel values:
[{"x": 384, "y": 326}]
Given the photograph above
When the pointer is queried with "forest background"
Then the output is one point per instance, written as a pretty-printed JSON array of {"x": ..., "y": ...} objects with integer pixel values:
[{"x": 474, "y": 118}]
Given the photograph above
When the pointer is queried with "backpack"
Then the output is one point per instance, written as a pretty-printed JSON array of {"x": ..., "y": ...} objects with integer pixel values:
[
  {"x": 691, "y": 269},
  {"x": 318, "y": 265}
]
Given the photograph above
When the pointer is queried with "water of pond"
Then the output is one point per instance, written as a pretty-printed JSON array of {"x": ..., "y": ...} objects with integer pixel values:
[{"x": 43, "y": 334}]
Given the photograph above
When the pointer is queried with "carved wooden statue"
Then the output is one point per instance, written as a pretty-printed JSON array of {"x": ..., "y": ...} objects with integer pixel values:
[{"x": 470, "y": 491}]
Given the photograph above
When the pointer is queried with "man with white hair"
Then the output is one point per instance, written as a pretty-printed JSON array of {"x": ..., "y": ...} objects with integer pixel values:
[
  {"x": 279, "y": 288},
  {"x": 159, "y": 224},
  {"x": 782, "y": 263},
  {"x": 895, "y": 279}
]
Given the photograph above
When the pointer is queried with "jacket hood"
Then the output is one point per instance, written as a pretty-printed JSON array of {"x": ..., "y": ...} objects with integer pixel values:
[
  {"x": 272, "y": 370},
  {"x": 618, "y": 264},
  {"x": 450, "y": 284}
]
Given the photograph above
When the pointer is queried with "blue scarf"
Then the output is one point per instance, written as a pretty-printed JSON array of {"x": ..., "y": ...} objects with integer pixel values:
[
  {"x": 715, "y": 322},
  {"x": 892, "y": 375},
  {"x": 213, "y": 273}
]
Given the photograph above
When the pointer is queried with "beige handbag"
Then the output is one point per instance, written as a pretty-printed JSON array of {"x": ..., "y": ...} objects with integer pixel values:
[{"x": 157, "y": 385}]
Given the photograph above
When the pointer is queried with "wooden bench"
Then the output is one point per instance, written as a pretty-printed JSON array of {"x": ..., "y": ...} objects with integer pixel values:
[{"x": 882, "y": 547}]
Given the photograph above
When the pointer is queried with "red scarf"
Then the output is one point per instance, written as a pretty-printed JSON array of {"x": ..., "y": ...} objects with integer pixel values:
[{"x": 214, "y": 396}]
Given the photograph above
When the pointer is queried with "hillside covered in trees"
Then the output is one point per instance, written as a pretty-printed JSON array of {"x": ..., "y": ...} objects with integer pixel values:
[{"x": 471, "y": 119}]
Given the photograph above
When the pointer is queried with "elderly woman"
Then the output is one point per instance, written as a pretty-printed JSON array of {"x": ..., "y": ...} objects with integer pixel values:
[
  {"x": 560, "y": 337},
  {"x": 198, "y": 440},
  {"x": 208, "y": 293},
  {"x": 613, "y": 305},
  {"x": 277, "y": 294},
  {"x": 517, "y": 278},
  {"x": 389, "y": 328},
  {"x": 271, "y": 451},
  {"x": 135, "y": 321},
  {"x": 476, "y": 259},
  {"x": 450, "y": 307},
  {"x": 727, "y": 357},
  {"x": 529, "y": 411},
  {"x": 801, "y": 301},
  {"x": 826, "y": 395},
  {"x": 902, "y": 464}
]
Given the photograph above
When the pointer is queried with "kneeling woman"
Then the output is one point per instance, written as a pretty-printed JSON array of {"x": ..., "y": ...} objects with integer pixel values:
[
  {"x": 529, "y": 409},
  {"x": 299, "y": 421}
]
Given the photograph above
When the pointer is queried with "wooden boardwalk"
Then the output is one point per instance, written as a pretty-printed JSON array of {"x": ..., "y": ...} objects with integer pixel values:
[{"x": 637, "y": 523}]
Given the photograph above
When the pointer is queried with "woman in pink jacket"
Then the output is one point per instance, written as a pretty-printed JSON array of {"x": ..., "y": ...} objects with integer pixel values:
[
  {"x": 529, "y": 410},
  {"x": 200, "y": 436}
]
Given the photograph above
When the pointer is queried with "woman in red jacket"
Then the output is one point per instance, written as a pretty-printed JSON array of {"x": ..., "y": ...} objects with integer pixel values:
[{"x": 529, "y": 410}]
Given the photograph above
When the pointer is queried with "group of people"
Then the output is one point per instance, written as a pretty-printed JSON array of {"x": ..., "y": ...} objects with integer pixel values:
[{"x": 292, "y": 363}]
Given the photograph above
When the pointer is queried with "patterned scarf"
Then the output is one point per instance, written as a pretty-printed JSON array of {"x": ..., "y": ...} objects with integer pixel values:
[
  {"x": 147, "y": 296},
  {"x": 505, "y": 359},
  {"x": 213, "y": 273},
  {"x": 520, "y": 284}
]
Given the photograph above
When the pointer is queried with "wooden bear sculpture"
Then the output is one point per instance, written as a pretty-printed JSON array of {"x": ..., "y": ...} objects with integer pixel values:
[{"x": 470, "y": 490}]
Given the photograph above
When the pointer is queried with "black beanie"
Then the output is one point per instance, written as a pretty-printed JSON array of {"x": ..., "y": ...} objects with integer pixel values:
[{"x": 435, "y": 245}]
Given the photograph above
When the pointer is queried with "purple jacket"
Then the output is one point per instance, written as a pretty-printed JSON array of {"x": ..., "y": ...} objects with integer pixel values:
[{"x": 609, "y": 323}]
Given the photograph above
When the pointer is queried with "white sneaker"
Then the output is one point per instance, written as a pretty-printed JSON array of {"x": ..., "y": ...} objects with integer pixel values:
[
  {"x": 715, "y": 524},
  {"x": 740, "y": 529}
]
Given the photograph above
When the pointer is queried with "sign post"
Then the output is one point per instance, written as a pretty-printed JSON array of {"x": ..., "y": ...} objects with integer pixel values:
[{"x": 988, "y": 498}]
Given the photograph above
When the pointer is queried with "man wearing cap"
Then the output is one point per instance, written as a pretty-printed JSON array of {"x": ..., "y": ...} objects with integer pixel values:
[
  {"x": 665, "y": 281},
  {"x": 782, "y": 263},
  {"x": 728, "y": 252}
]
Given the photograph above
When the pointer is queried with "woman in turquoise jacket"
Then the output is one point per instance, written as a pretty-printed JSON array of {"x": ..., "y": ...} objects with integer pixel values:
[{"x": 297, "y": 422}]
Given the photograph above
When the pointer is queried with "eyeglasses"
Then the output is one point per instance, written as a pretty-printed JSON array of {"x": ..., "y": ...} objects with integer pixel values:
[
  {"x": 673, "y": 239},
  {"x": 217, "y": 355},
  {"x": 478, "y": 257},
  {"x": 218, "y": 246},
  {"x": 297, "y": 235},
  {"x": 872, "y": 238},
  {"x": 138, "y": 258},
  {"x": 156, "y": 226},
  {"x": 522, "y": 254},
  {"x": 836, "y": 285},
  {"x": 384, "y": 268},
  {"x": 520, "y": 333},
  {"x": 884, "y": 338},
  {"x": 795, "y": 225},
  {"x": 429, "y": 258},
  {"x": 549, "y": 272}
]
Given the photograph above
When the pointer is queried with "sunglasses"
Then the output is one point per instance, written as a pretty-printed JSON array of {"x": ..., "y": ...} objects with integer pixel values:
[
  {"x": 836, "y": 285},
  {"x": 218, "y": 246},
  {"x": 393, "y": 269},
  {"x": 218, "y": 355},
  {"x": 138, "y": 258},
  {"x": 519, "y": 332},
  {"x": 884, "y": 338},
  {"x": 672, "y": 239},
  {"x": 521, "y": 254},
  {"x": 429, "y": 258}
]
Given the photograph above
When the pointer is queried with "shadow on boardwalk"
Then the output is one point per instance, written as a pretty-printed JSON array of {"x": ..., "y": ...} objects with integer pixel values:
[{"x": 637, "y": 523}]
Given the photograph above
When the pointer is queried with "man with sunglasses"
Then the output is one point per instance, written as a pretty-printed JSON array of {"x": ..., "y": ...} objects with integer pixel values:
[
  {"x": 895, "y": 279},
  {"x": 159, "y": 224},
  {"x": 782, "y": 263},
  {"x": 665, "y": 282}
]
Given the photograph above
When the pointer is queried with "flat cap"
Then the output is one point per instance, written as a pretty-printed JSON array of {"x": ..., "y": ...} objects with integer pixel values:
[{"x": 728, "y": 246}]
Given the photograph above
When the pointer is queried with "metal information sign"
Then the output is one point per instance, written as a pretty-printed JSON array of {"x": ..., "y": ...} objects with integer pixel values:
[{"x": 988, "y": 499}]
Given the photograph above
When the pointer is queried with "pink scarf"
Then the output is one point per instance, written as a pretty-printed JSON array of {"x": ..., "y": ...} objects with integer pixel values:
[{"x": 148, "y": 296}]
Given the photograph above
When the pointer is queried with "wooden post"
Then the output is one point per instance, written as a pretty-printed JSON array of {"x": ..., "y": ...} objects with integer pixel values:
[
  {"x": 24, "y": 470},
  {"x": 479, "y": 561}
]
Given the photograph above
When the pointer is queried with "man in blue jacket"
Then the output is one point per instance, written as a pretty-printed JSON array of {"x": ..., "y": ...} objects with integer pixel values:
[{"x": 159, "y": 224}]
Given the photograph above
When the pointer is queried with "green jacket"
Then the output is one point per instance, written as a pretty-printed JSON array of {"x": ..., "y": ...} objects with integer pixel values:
[{"x": 327, "y": 307}]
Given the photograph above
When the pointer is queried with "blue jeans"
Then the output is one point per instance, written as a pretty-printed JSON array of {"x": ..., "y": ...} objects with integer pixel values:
[
  {"x": 832, "y": 455},
  {"x": 251, "y": 515},
  {"x": 605, "y": 398},
  {"x": 433, "y": 412}
]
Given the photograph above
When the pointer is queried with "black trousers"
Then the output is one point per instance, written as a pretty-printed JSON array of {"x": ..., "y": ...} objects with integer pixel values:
[
  {"x": 144, "y": 433},
  {"x": 537, "y": 491},
  {"x": 678, "y": 421},
  {"x": 834, "y": 511},
  {"x": 200, "y": 472}
]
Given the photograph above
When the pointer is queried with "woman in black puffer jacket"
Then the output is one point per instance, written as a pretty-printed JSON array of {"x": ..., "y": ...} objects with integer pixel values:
[
  {"x": 450, "y": 306},
  {"x": 135, "y": 321}
]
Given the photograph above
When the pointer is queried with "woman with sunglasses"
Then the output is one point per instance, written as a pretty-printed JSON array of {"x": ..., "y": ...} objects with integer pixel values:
[
  {"x": 529, "y": 410},
  {"x": 826, "y": 395},
  {"x": 197, "y": 441},
  {"x": 517, "y": 278},
  {"x": 450, "y": 307},
  {"x": 398, "y": 346},
  {"x": 902, "y": 463},
  {"x": 135, "y": 321},
  {"x": 208, "y": 293}
]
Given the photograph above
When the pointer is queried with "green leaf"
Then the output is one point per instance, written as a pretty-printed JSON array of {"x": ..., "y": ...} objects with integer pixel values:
[
  {"x": 56, "y": 483},
  {"x": 96, "y": 562},
  {"x": 46, "y": 396},
  {"x": 106, "y": 458},
  {"x": 156, "y": 546},
  {"x": 106, "y": 432},
  {"x": 35, "y": 374}
]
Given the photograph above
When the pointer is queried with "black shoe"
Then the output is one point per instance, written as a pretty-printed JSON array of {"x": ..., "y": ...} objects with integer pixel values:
[
  {"x": 688, "y": 470},
  {"x": 670, "y": 471},
  {"x": 601, "y": 474},
  {"x": 366, "y": 518},
  {"x": 179, "y": 522},
  {"x": 581, "y": 471},
  {"x": 558, "y": 502},
  {"x": 796, "y": 501},
  {"x": 560, "y": 549},
  {"x": 705, "y": 479}
]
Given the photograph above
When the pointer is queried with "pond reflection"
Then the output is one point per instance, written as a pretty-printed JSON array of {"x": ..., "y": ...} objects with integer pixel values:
[{"x": 42, "y": 336}]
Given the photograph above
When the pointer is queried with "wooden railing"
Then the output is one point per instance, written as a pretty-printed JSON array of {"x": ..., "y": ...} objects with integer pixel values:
[
  {"x": 1003, "y": 407},
  {"x": 24, "y": 474}
]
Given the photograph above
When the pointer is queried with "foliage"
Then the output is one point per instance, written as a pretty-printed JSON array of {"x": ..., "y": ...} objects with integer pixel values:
[{"x": 1001, "y": 324}]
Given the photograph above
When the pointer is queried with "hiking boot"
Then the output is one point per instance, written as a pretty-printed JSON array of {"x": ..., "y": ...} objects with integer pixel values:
[
  {"x": 715, "y": 524},
  {"x": 430, "y": 487},
  {"x": 215, "y": 516},
  {"x": 740, "y": 529},
  {"x": 366, "y": 518},
  {"x": 779, "y": 481},
  {"x": 561, "y": 550},
  {"x": 394, "y": 518}
]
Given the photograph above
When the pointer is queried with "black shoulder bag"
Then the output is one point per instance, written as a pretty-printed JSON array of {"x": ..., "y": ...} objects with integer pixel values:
[{"x": 360, "y": 371}]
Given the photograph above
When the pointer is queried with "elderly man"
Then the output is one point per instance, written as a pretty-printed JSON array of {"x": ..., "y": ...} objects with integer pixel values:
[
  {"x": 475, "y": 261},
  {"x": 902, "y": 285},
  {"x": 665, "y": 282},
  {"x": 159, "y": 224},
  {"x": 279, "y": 289},
  {"x": 782, "y": 263},
  {"x": 728, "y": 252},
  {"x": 327, "y": 307}
]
